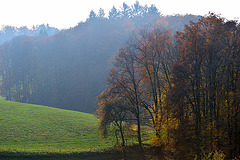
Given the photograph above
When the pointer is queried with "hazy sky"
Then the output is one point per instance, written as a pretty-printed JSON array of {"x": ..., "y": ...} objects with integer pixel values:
[{"x": 67, "y": 13}]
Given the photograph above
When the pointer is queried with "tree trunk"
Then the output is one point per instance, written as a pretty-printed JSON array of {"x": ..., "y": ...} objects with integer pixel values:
[
  {"x": 139, "y": 133},
  {"x": 122, "y": 135}
]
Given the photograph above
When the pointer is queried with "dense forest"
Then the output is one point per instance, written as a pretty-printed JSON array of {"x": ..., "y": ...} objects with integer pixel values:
[
  {"x": 68, "y": 69},
  {"x": 184, "y": 85}
]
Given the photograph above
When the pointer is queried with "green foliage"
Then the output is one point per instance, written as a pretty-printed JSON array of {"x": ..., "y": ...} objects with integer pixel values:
[{"x": 34, "y": 128}]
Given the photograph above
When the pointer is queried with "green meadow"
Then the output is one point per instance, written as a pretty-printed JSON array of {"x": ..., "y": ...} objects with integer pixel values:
[{"x": 35, "y": 128}]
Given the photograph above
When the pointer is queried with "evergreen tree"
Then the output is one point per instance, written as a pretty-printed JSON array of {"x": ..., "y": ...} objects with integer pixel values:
[
  {"x": 136, "y": 9},
  {"x": 153, "y": 10},
  {"x": 92, "y": 15},
  {"x": 126, "y": 12},
  {"x": 101, "y": 13},
  {"x": 113, "y": 13}
]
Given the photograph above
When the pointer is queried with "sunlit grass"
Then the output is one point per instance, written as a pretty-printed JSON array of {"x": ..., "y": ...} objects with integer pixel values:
[
  {"x": 34, "y": 128},
  {"x": 2, "y": 98}
]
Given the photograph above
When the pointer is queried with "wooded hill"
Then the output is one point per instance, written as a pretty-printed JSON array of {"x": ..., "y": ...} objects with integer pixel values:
[
  {"x": 68, "y": 70},
  {"x": 186, "y": 88}
]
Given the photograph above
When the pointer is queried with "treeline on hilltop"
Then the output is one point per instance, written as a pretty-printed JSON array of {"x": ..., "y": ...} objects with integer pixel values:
[
  {"x": 186, "y": 88},
  {"x": 7, "y": 33},
  {"x": 68, "y": 70}
]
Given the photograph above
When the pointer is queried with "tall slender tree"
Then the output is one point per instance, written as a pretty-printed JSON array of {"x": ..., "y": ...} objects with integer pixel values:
[
  {"x": 124, "y": 79},
  {"x": 155, "y": 49}
]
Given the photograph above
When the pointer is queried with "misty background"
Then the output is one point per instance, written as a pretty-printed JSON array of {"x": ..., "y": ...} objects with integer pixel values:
[{"x": 67, "y": 68}]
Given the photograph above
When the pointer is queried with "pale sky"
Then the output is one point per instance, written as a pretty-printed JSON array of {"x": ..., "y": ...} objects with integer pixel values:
[{"x": 68, "y": 13}]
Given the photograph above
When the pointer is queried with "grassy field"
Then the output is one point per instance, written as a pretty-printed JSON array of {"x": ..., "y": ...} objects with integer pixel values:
[{"x": 35, "y": 128}]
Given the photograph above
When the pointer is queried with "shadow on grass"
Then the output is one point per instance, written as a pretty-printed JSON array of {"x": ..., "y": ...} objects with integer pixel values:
[{"x": 129, "y": 153}]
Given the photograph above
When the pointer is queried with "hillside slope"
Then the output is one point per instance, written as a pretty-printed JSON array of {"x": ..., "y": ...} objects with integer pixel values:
[
  {"x": 34, "y": 128},
  {"x": 70, "y": 68}
]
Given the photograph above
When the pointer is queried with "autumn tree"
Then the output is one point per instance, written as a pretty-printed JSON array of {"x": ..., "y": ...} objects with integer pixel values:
[
  {"x": 141, "y": 76},
  {"x": 112, "y": 110},
  {"x": 155, "y": 57},
  {"x": 124, "y": 79},
  {"x": 201, "y": 75},
  {"x": 231, "y": 83}
]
